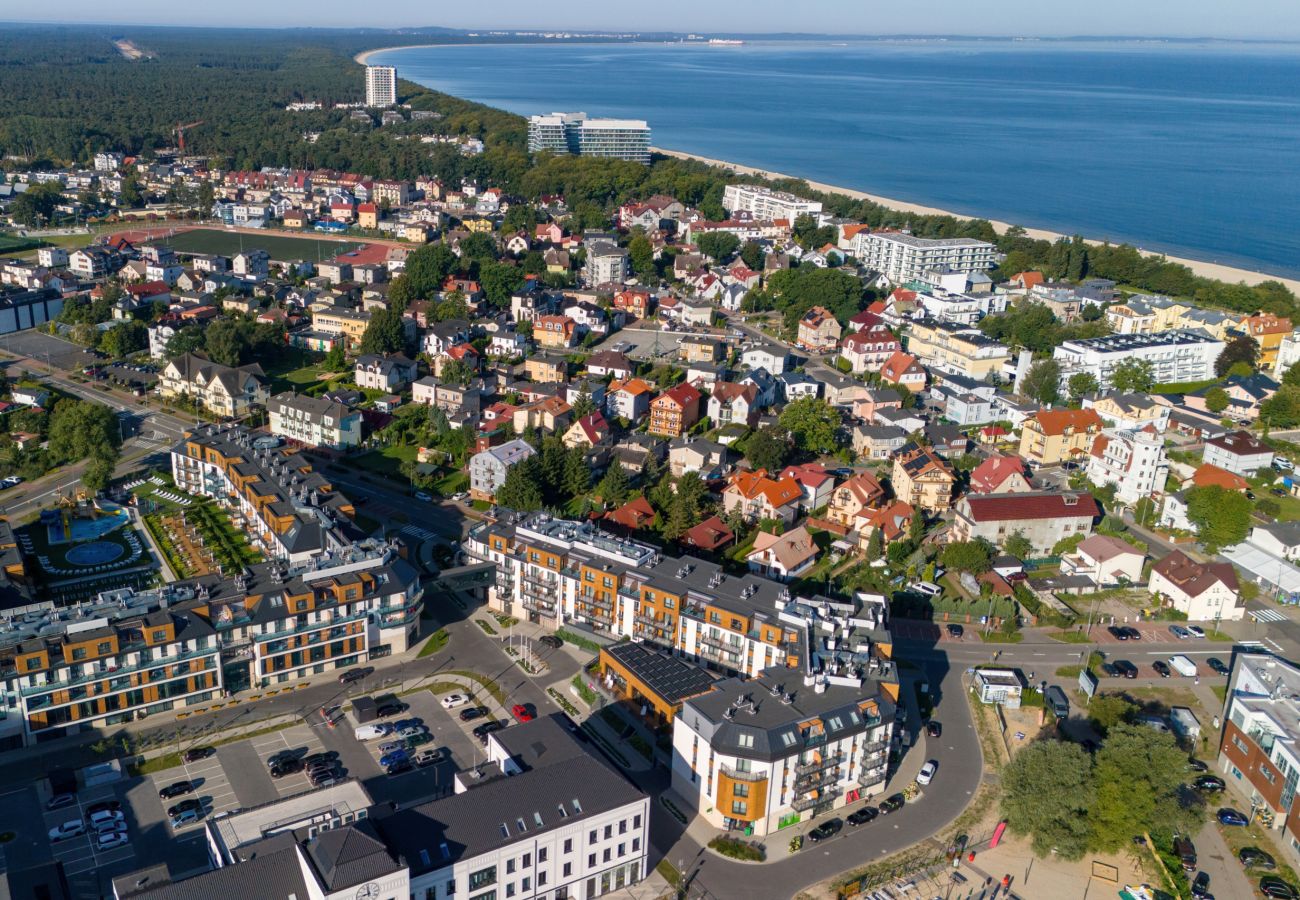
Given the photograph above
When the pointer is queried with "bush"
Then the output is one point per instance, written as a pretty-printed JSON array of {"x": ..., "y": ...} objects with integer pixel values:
[
  {"x": 587, "y": 694},
  {"x": 734, "y": 849},
  {"x": 577, "y": 640}
]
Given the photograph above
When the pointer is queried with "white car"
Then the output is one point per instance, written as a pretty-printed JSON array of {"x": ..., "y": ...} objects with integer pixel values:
[
  {"x": 67, "y": 830},
  {"x": 926, "y": 775},
  {"x": 1196, "y": 631},
  {"x": 110, "y": 840},
  {"x": 927, "y": 589},
  {"x": 114, "y": 826},
  {"x": 451, "y": 701},
  {"x": 105, "y": 815},
  {"x": 421, "y": 495}
]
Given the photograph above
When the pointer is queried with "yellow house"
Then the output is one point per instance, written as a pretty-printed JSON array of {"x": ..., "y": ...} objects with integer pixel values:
[
  {"x": 1054, "y": 436},
  {"x": 477, "y": 226},
  {"x": 349, "y": 323},
  {"x": 954, "y": 347},
  {"x": 1268, "y": 331},
  {"x": 368, "y": 216},
  {"x": 922, "y": 479}
]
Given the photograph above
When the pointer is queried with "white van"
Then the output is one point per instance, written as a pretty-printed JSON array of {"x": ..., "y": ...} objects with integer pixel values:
[
  {"x": 927, "y": 589},
  {"x": 372, "y": 732},
  {"x": 1183, "y": 666}
]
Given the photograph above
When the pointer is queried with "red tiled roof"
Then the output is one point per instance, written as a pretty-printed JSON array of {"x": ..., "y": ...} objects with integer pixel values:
[
  {"x": 1210, "y": 475},
  {"x": 1195, "y": 578},
  {"x": 812, "y": 475},
  {"x": 710, "y": 534},
  {"x": 1056, "y": 421},
  {"x": 1013, "y": 507},
  {"x": 989, "y": 475},
  {"x": 634, "y": 514},
  {"x": 683, "y": 395}
]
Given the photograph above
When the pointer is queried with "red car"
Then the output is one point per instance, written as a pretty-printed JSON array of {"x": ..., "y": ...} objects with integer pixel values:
[{"x": 521, "y": 713}]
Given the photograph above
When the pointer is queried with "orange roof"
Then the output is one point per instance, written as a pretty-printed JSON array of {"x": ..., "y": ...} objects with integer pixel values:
[
  {"x": 634, "y": 386},
  {"x": 897, "y": 365},
  {"x": 777, "y": 493},
  {"x": 1028, "y": 279},
  {"x": 1211, "y": 475},
  {"x": 853, "y": 230},
  {"x": 634, "y": 514},
  {"x": 1056, "y": 421},
  {"x": 1266, "y": 323}
]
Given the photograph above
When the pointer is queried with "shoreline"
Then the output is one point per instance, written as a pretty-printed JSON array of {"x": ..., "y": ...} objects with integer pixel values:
[{"x": 1202, "y": 268}]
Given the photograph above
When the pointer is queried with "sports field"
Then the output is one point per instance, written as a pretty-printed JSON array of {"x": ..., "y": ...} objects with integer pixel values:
[{"x": 227, "y": 243}]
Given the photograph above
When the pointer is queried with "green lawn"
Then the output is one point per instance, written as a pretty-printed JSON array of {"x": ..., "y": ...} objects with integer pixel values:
[
  {"x": 997, "y": 637},
  {"x": 1070, "y": 637},
  {"x": 386, "y": 460},
  {"x": 435, "y": 643},
  {"x": 1288, "y": 508},
  {"x": 453, "y": 482},
  {"x": 227, "y": 243},
  {"x": 12, "y": 243}
]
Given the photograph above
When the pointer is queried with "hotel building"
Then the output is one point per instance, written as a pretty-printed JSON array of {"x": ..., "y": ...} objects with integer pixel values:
[
  {"x": 765, "y": 203},
  {"x": 1175, "y": 356},
  {"x": 577, "y": 134},
  {"x": 904, "y": 258},
  {"x": 381, "y": 86}
]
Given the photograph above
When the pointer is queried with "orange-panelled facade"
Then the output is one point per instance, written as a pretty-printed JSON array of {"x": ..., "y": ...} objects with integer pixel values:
[
  {"x": 665, "y": 610},
  {"x": 246, "y": 482},
  {"x": 598, "y": 593},
  {"x": 753, "y": 794},
  {"x": 291, "y": 657},
  {"x": 98, "y": 701}
]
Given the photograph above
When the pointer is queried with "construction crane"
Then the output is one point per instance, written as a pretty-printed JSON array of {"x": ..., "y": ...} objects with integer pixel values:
[{"x": 180, "y": 133}]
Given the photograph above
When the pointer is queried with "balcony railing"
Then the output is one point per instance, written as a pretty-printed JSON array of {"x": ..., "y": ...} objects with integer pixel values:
[
  {"x": 537, "y": 605},
  {"x": 815, "y": 781},
  {"x": 116, "y": 672},
  {"x": 286, "y": 630},
  {"x": 803, "y": 803},
  {"x": 875, "y": 747},
  {"x": 597, "y": 602},
  {"x": 832, "y": 759},
  {"x": 871, "y": 777},
  {"x": 739, "y": 775}
]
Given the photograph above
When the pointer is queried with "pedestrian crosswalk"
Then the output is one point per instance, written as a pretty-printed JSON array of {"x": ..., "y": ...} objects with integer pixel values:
[
  {"x": 416, "y": 531},
  {"x": 1266, "y": 615}
]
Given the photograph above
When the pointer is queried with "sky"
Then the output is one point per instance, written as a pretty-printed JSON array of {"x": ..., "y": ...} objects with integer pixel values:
[{"x": 1279, "y": 19}]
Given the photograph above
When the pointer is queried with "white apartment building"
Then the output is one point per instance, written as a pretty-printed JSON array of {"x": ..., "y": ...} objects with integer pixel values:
[
  {"x": 381, "y": 86},
  {"x": 580, "y": 135},
  {"x": 784, "y": 747},
  {"x": 1175, "y": 356},
  {"x": 314, "y": 421},
  {"x": 1288, "y": 353},
  {"x": 765, "y": 203},
  {"x": 903, "y": 258},
  {"x": 1133, "y": 461},
  {"x": 607, "y": 263},
  {"x": 488, "y": 469}
]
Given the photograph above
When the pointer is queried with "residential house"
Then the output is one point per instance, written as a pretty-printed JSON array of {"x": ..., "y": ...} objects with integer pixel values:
[
  {"x": 759, "y": 497},
  {"x": 868, "y": 350},
  {"x": 852, "y": 497},
  {"x": 730, "y": 402},
  {"x": 1268, "y": 330},
  {"x": 389, "y": 373},
  {"x": 634, "y": 515},
  {"x": 819, "y": 331},
  {"x": 674, "y": 411},
  {"x": 547, "y": 368},
  {"x": 1042, "y": 518},
  {"x": 1201, "y": 591},
  {"x": 1000, "y": 475},
  {"x": 922, "y": 479},
  {"x": 1281, "y": 539},
  {"x": 555, "y": 332},
  {"x": 588, "y": 432},
  {"x": 793, "y": 386},
  {"x": 877, "y": 399},
  {"x": 772, "y": 357},
  {"x": 902, "y": 369},
  {"x": 893, "y": 520},
  {"x": 765, "y": 384},
  {"x": 1133, "y": 461},
  {"x": 877, "y": 441},
  {"x": 709, "y": 459},
  {"x": 694, "y": 349},
  {"x": 314, "y": 421},
  {"x": 909, "y": 420},
  {"x": 549, "y": 415},
  {"x": 629, "y": 399},
  {"x": 610, "y": 362},
  {"x": 1054, "y": 436},
  {"x": 221, "y": 390},
  {"x": 710, "y": 535},
  {"x": 1106, "y": 560},
  {"x": 958, "y": 349},
  {"x": 816, "y": 483},
  {"x": 1130, "y": 411},
  {"x": 488, "y": 469},
  {"x": 782, "y": 556},
  {"x": 1239, "y": 452},
  {"x": 1245, "y": 393}
]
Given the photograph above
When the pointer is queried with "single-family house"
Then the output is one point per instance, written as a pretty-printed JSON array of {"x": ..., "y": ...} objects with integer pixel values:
[
  {"x": 674, "y": 411},
  {"x": 782, "y": 556},
  {"x": 1201, "y": 591},
  {"x": 922, "y": 479},
  {"x": 1106, "y": 560},
  {"x": 758, "y": 497}
]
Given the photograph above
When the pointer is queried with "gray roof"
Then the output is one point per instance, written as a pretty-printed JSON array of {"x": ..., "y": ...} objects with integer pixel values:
[
  {"x": 275, "y": 875},
  {"x": 542, "y": 742},
  {"x": 351, "y": 855}
]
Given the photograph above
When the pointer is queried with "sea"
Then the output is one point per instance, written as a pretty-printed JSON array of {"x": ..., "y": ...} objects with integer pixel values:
[{"x": 1188, "y": 148}]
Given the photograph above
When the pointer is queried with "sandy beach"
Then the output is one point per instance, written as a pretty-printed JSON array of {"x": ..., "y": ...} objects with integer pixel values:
[{"x": 1230, "y": 274}]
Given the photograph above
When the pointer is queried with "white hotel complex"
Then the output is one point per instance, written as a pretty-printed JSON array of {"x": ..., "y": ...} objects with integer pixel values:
[
  {"x": 903, "y": 258},
  {"x": 381, "y": 86},
  {"x": 582, "y": 136},
  {"x": 1175, "y": 356},
  {"x": 765, "y": 203}
]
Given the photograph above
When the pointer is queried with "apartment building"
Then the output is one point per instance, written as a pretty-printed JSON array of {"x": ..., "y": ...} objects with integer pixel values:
[
  {"x": 582, "y": 136},
  {"x": 867, "y": 350},
  {"x": 289, "y": 511},
  {"x": 1201, "y": 591},
  {"x": 607, "y": 263},
  {"x": 819, "y": 332},
  {"x": 488, "y": 469},
  {"x": 955, "y": 348},
  {"x": 1268, "y": 331},
  {"x": 674, "y": 411},
  {"x": 922, "y": 479},
  {"x": 314, "y": 421},
  {"x": 1175, "y": 356},
  {"x": 1240, "y": 452},
  {"x": 390, "y": 373},
  {"x": 1133, "y": 461},
  {"x": 381, "y": 86},
  {"x": 904, "y": 258},
  {"x": 221, "y": 390},
  {"x": 1043, "y": 518},
  {"x": 765, "y": 203},
  {"x": 1054, "y": 436},
  {"x": 349, "y": 324}
]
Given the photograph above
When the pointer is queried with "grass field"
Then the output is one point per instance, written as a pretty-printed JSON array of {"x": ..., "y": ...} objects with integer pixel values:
[
  {"x": 385, "y": 461},
  {"x": 226, "y": 243},
  {"x": 12, "y": 243}
]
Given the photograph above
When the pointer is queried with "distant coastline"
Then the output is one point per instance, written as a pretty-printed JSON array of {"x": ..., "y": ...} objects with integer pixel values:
[{"x": 1202, "y": 268}]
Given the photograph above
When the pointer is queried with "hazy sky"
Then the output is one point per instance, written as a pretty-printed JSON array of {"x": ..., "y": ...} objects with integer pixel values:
[{"x": 1207, "y": 18}]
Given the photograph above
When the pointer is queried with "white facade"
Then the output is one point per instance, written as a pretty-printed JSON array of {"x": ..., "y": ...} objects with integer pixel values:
[
  {"x": 1288, "y": 353},
  {"x": 1133, "y": 461},
  {"x": 314, "y": 422},
  {"x": 765, "y": 203},
  {"x": 488, "y": 470},
  {"x": 381, "y": 85},
  {"x": 1218, "y": 601},
  {"x": 576, "y": 133},
  {"x": 1175, "y": 356},
  {"x": 903, "y": 258}
]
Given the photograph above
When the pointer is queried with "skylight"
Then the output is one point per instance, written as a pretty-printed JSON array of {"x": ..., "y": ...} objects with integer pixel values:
[{"x": 577, "y": 807}]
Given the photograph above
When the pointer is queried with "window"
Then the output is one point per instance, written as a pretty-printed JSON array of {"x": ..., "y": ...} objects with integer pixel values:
[
  {"x": 622, "y": 826},
  {"x": 526, "y": 862},
  {"x": 566, "y": 870},
  {"x": 622, "y": 848},
  {"x": 739, "y": 808},
  {"x": 542, "y": 853},
  {"x": 591, "y": 837},
  {"x": 510, "y": 889},
  {"x": 636, "y": 844},
  {"x": 159, "y": 636},
  {"x": 591, "y": 860},
  {"x": 740, "y": 790},
  {"x": 510, "y": 867},
  {"x": 482, "y": 878},
  {"x": 636, "y": 821},
  {"x": 568, "y": 845},
  {"x": 526, "y": 885},
  {"x": 609, "y": 832},
  {"x": 77, "y": 653},
  {"x": 606, "y": 857},
  {"x": 541, "y": 879},
  {"x": 104, "y": 647},
  {"x": 746, "y": 741}
]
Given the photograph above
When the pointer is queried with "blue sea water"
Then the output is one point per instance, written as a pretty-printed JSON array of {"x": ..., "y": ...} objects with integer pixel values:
[{"x": 1191, "y": 149}]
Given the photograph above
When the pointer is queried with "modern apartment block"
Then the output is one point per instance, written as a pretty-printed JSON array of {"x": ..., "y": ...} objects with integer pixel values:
[
  {"x": 577, "y": 134},
  {"x": 1133, "y": 461},
  {"x": 314, "y": 421},
  {"x": 381, "y": 86},
  {"x": 903, "y": 258},
  {"x": 765, "y": 203},
  {"x": 288, "y": 510},
  {"x": 125, "y": 654},
  {"x": 956, "y": 348},
  {"x": 1175, "y": 356}
]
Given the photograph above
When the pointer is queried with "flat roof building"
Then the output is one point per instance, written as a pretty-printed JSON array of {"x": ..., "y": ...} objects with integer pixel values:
[
  {"x": 381, "y": 86},
  {"x": 580, "y": 135}
]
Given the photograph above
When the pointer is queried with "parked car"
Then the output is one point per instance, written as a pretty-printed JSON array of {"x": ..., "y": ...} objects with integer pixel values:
[
  {"x": 95, "y": 819},
  {"x": 390, "y": 746},
  {"x": 413, "y": 722},
  {"x": 176, "y": 789},
  {"x": 926, "y": 775},
  {"x": 521, "y": 712},
  {"x": 469, "y": 714},
  {"x": 1109, "y": 668},
  {"x": 862, "y": 816},
  {"x": 827, "y": 829},
  {"x": 1185, "y": 850},
  {"x": 194, "y": 754},
  {"x": 325, "y": 778},
  {"x": 398, "y": 767},
  {"x": 1230, "y": 816},
  {"x": 286, "y": 767},
  {"x": 1118, "y": 633},
  {"x": 392, "y": 708},
  {"x": 67, "y": 830},
  {"x": 419, "y": 739},
  {"x": 59, "y": 801},
  {"x": 324, "y": 756},
  {"x": 1197, "y": 765},
  {"x": 1201, "y": 885},
  {"x": 933, "y": 728},
  {"x": 955, "y": 631},
  {"x": 1133, "y": 633},
  {"x": 550, "y": 640},
  {"x": 1272, "y": 886},
  {"x": 184, "y": 818},
  {"x": 451, "y": 701},
  {"x": 412, "y": 731},
  {"x": 427, "y": 757},
  {"x": 352, "y": 675},
  {"x": 482, "y": 731},
  {"x": 372, "y": 731},
  {"x": 1255, "y": 858},
  {"x": 1216, "y": 665},
  {"x": 1126, "y": 668},
  {"x": 103, "y": 806},
  {"x": 110, "y": 840},
  {"x": 192, "y": 804},
  {"x": 1196, "y": 631},
  {"x": 1179, "y": 632},
  {"x": 1162, "y": 668},
  {"x": 1208, "y": 783},
  {"x": 108, "y": 826},
  {"x": 421, "y": 495},
  {"x": 892, "y": 804},
  {"x": 395, "y": 756}
]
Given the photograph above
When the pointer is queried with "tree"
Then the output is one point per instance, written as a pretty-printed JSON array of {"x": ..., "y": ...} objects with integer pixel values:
[
  {"x": 426, "y": 269},
  {"x": 1018, "y": 546},
  {"x": 132, "y": 195},
  {"x": 967, "y": 556},
  {"x": 873, "y": 545},
  {"x": 499, "y": 281},
  {"x": 1046, "y": 794},
  {"x": 187, "y": 340},
  {"x": 1222, "y": 517},
  {"x": 522, "y": 488},
  {"x": 1133, "y": 376},
  {"x": 124, "y": 339},
  {"x": 1043, "y": 382},
  {"x": 718, "y": 245},
  {"x": 452, "y": 306},
  {"x": 1282, "y": 410},
  {"x": 224, "y": 340},
  {"x": 336, "y": 360},
  {"x": 457, "y": 371},
  {"x": 385, "y": 334},
  {"x": 768, "y": 449},
  {"x": 1081, "y": 384},
  {"x": 81, "y": 429},
  {"x": 1105, "y": 711},
  {"x": 813, "y": 423},
  {"x": 1241, "y": 349},
  {"x": 583, "y": 405},
  {"x": 613, "y": 488},
  {"x": 1216, "y": 400},
  {"x": 1137, "y": 778},
  {"x": 641, "y": 255},
  {"x": 752, "y": 255},
  {"x": 577, "y": 473},
  {"x": 36, "y": 205}
]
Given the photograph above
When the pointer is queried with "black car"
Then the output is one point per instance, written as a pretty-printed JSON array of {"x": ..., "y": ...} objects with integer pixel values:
[
  {"x": 891, "y": 804},
  {"x": 1133, "y": 633},
  {"x": 194, "y": 754},
  {"x": 288, "y": 766},
  {"x": 1197, "y": 765},
  {"x": 104, "y": 806},
  {"x": 1201, "y": 885},
  {"x": 1272, "y": 886},
  {"x": 397, "y": 768},
  {"x": 1217, "y": 665},
  {"x": 1110, "y": 669},
  {"x": 827, "y": 829},
  {"x": 551, "y": 641},
  {"x": 470, "y": 713},
  {"x": 1162, "y": 668},
  {"x": 193, "y": 803},
  {"x": 955, "y": 631},
  {"x": 1126, "y": 668},
  {"x": 933, "y": 729},
  {"x": 1118, "y": 633},
  {"x": 482, "y": 731},
  {"x": 1255, "y": 858},
  {"x": 1209, "y": 783},
  {"x": 863, "y": 816},
  {"x": 176, "y": 789},
  {"x": 390, "y": 709},
  {"x": 322, "y": 757},
  {"x": 352, "y": 675}
]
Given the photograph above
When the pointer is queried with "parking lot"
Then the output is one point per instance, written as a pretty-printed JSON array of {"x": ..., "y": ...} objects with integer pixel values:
[
  {"x": 80, "y": 854},
  {"x": 299, "y": 741},
  {"x": 212, "y": 789},
  {"x": 451, "y": 740},
  {"x": 914, "y": 630}
]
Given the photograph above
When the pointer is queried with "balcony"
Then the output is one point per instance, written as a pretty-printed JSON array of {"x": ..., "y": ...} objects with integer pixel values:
[
  {"x": 722, "y": 643},
  {"x": 833, "y": 759},
  {"x": 717, "y": 656},
  {"x": 801, "y": 804},
  {"x": 596, "y": 602},
  {"x": 815, "y": 781},
  {"x": 285, "y": 630},
  {"x": 738, "y": 775},
  {"x": 117, "y": 671},
  {"x": 875, "y": 748},
  {"x": 871, "y": 778},
  {"x": 538, "y": 605}
]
